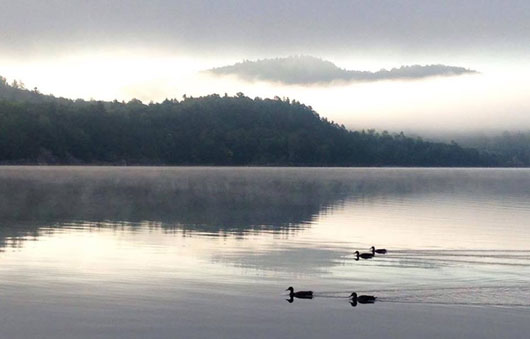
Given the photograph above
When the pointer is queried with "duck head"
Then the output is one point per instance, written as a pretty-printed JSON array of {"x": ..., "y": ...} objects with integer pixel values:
[
  {"x": 291, "y": 289},
  {"x": 353, "y": 296}
]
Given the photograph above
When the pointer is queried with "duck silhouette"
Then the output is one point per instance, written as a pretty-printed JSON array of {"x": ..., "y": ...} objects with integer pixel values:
[
  {"x": 361, "y": 299},
  {"x": 378, "y": 251},
  {"x": 299, "y": 294},
  {"x": 363, "y": 255}
]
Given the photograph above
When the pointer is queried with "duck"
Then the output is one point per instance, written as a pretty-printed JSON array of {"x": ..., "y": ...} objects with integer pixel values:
[
  {"x": 299, "y": 294},
  {"x": 363, "y": 255},
  {"x": 362, "y": 299},
  {"x": 378, "y": 251}
]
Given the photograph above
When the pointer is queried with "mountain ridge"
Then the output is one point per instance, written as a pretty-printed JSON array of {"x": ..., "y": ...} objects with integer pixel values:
[{"x": 209, "y": 130}]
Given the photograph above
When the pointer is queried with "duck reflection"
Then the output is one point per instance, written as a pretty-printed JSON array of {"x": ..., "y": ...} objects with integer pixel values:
[{"x": 291, "y": 298}]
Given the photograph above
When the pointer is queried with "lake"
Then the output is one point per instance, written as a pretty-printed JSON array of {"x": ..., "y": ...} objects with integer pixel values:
[{"x": 207, "y": 252}]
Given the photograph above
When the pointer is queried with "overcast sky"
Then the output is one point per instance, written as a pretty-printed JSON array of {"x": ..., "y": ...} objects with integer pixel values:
[{"x": 153, "y": 49}]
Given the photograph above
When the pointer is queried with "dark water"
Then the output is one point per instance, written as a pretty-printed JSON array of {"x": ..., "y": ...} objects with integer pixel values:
[{"x": 98, "y": 252}]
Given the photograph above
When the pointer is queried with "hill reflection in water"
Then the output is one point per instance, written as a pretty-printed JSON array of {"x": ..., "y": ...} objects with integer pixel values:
[{"x": 231, "y": 201}]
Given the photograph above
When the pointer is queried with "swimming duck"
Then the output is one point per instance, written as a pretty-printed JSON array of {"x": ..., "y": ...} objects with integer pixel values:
[
  {"x": 362, "y": 299},
  {"x": 363, "y": 255},
  {"x": 378, "y": 251},
  {"x": 300, "y": 294}
]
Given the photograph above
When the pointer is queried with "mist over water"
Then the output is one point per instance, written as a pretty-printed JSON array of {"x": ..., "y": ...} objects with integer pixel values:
[{"x": 109, "y": 251}]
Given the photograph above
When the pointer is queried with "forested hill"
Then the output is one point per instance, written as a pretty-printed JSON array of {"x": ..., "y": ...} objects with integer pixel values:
[
  {"x": 512, "y": 147},
  {"x": 211, "y": 130}
]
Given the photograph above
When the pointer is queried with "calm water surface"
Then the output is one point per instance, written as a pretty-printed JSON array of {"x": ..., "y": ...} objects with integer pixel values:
[{"x": 99, "y": 252}]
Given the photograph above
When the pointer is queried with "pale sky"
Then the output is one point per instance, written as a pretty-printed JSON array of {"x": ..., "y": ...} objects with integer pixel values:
[{"x": 157, "y": 49}]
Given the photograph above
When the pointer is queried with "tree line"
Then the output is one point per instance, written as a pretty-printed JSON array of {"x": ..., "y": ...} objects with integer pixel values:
[{"x": 209, "y": 130}]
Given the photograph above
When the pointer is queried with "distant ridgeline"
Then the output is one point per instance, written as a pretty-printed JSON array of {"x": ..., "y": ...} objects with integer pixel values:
[{"x": 211, "y": 130}]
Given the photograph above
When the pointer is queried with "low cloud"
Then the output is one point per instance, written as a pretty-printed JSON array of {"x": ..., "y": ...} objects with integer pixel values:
[{"x": 307, "y": 70}]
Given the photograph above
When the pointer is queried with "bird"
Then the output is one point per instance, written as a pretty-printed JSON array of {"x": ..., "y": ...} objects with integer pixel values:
[
  {"x": 363, "y": 255},
  {"x": 362, "y": 299},
  {"x": 378, "y": 251},
  {"x": 299, "y": 294}
]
